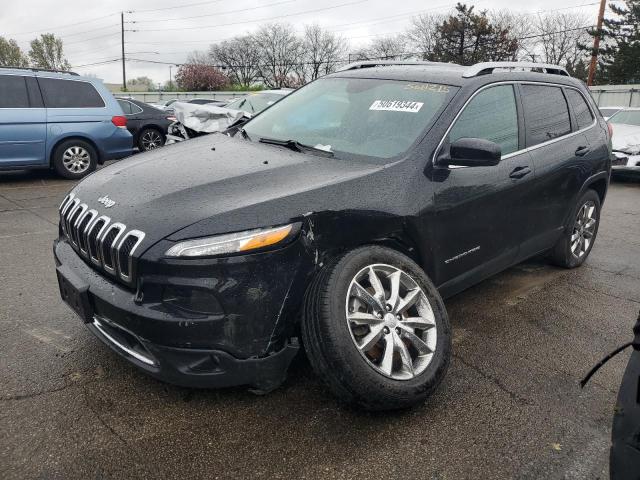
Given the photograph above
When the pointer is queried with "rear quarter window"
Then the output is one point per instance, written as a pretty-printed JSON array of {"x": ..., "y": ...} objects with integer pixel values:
[
  {"x": 546, "y": 113},
  {"x": 60, "y": 93},
  {"x": 581, "y": 110}
]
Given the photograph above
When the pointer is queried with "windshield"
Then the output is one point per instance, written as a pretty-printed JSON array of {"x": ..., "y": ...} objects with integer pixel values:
[
  {"x": 254, "y": 103},
  {"x": 628, "y": 117},
  {"x": 607, "y": 112},
  {"x": 368, "y": 117}
]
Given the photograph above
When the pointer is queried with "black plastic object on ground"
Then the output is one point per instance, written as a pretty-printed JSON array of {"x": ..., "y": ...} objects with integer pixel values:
[{"x": 625, "y": 448}]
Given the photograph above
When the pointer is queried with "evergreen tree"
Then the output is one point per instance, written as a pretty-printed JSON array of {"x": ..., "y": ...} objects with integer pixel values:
[{"x": 619, "y": 55}]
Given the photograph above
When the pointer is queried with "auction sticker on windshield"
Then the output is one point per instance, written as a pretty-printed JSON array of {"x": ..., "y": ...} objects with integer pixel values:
[{"x": 396, "y": 106}]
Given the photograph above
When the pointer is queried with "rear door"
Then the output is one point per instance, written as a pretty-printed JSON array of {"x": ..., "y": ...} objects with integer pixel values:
[
  {"x": 558, "y": 149},
  {"x": 481, "y": 210},
  {"x": 23, "y": 130},
  {"x": 135, "y": 115}
]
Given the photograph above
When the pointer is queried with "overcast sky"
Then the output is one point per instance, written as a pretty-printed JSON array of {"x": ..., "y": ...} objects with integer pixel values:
[{"x": 91, "y": 30}]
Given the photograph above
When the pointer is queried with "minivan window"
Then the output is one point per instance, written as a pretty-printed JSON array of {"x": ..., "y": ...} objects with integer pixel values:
[
  {"x": 60, "y": 93},
  {"x": 357, "y": 116},
  {"x": 13, "y": 92},
  {"x": 490, "y": 115},
  {"x": 546, "y": 113},
  {"x": 581, "y": 110}
]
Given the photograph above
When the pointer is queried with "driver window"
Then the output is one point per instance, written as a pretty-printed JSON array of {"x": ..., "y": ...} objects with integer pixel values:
[{"x": 491, "y": 115}]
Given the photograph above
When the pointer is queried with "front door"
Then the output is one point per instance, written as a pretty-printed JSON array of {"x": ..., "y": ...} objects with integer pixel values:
[
  {"x": 23, "y": 131},
  {"x": 481, "y": 211}
]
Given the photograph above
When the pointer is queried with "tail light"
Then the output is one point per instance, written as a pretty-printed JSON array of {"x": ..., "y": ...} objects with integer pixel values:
[
  {"x": 119, "y": 121},
  {"x": 610, "y": 127},
  {"x": 172, "y": 119}
]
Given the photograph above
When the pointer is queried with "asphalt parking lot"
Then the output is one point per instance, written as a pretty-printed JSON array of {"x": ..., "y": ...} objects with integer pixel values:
[{"x": 510, "y": 406}]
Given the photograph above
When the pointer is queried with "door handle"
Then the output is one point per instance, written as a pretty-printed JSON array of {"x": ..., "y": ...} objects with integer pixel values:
[
  {"x": 582, "y": 151},
  {"x": 520, "y": 172}
]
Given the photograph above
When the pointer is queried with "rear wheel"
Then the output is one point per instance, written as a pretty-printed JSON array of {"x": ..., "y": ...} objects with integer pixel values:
[
  {"x": 577, "y": 241},
  {"x": 376, "y": 330},
  {"x": 74, "y": 159},
  {"x": 150, "y": 139}
]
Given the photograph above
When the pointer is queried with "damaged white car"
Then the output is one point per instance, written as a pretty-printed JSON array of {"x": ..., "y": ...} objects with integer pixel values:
[
  {"x": 626, "y": 141},
  {"x": 193, "y": 120}
]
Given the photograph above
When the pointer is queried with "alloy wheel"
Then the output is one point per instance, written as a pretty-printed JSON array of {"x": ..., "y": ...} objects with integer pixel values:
[
  {"x": 583, "y": 229},
  {"x": 76, "y": 159},
  {"x": 151, "y": 139},
  {"x": 391, "y": 321}
]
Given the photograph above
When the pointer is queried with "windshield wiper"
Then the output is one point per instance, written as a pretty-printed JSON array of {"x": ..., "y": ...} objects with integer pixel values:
[{"x": 296, "y": 146}]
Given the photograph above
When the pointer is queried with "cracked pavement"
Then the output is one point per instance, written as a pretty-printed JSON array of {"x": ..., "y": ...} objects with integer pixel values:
[{"x": 510, "y": 406}]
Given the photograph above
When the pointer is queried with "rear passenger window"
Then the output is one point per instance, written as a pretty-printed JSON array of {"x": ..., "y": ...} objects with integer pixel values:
[
  {"x": 581, "y": 110},
  {"x": 126, "y": 107},
  {"x": 13, "y": 92},
  {"x": 491, "y": 115},
  {"x": 69, "y": 94},
  {"x": 546, "y": 113}
]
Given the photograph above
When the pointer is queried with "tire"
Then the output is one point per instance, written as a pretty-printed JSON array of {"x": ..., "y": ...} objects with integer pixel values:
[
  {"x": 330, "y": 340},
  {"x": 150, "y": 139},
  {"x": 74, "y": 159},
  {"x": 583, "y": 229}
]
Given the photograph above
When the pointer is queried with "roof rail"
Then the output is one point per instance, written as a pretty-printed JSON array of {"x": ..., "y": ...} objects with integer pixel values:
[
  {"x": 485, "y": 68},
  {"x": 33, "y": 69},
  {"x": 383, "y": 63}
]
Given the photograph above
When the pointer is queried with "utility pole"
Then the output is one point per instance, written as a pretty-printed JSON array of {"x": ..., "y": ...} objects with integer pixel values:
[
  {"x": 596, "y": 44},
  {"x": 170, "y": 79},
  {"x": 124, "y": 70}
]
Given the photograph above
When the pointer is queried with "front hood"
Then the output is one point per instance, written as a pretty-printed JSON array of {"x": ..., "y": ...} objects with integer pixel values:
[
  {"x": 217, "y": 184},
  {"x": 625, "y": 137}
]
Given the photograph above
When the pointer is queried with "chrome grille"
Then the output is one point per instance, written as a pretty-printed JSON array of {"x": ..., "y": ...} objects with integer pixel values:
[{"x": 106, "y": 244}]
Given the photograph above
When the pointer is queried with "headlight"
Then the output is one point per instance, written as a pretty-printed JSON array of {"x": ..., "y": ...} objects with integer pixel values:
[{"x": 234, "y": 242}]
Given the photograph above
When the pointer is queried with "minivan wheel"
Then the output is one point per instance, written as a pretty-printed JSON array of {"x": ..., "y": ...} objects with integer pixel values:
[
  {"x": 577, "y": 240},
  {"x": 150, "y": 139},
  {"x": 375, "y": 329},
  {"x": 74, "y": 159}
]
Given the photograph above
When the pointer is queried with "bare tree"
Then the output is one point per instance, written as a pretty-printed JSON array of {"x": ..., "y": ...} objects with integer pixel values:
[
  {"x": 519, "y": 25},
  {"x": 423, "y": 34},
  {"x": 199, "y": 58},
  {"x": 240, "y": 57},
  {"x": 385, "y": 48},
  {"x": 279, "y": 51},
  {"x": 559, "y": 35},
  {"x": 323, "y": 51}
]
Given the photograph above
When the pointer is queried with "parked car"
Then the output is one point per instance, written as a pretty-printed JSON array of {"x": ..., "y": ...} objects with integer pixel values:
[
  {"x": 342, "y": 215},
  {"x": 609, "y": 111},
  {"x": 626, "y": 142},
  {"x": 59, "y": 120},
  {"x": 256, "y": 102},
  {"x": 163, "y": 105},
  {"x": 147, "y": 124},
  {"x": 206, "y": 101}
]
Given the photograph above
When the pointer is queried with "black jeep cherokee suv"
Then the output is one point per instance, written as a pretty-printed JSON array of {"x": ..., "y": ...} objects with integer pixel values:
[{"x": 341, "y": 215}]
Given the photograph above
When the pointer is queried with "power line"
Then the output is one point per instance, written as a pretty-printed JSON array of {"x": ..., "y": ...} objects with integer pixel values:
[
  {"x": 186, "y": 5},
  {"x": 61, "y": 27},
  {"x": 258, "y": 19},
  {"x": 213, "y": 14}
]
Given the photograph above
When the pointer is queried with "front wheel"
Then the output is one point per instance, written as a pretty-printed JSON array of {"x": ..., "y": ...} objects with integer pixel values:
[
  {"x": 375, "y": 329},
  {"x": 577, "y": 240}
]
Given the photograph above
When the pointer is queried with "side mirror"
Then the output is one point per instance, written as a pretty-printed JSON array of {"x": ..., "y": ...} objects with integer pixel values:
[{"x": 471, "y": 152}]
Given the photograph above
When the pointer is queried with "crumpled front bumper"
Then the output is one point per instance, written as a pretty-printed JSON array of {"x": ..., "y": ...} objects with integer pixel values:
[{"x": 250, "y": 341}]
